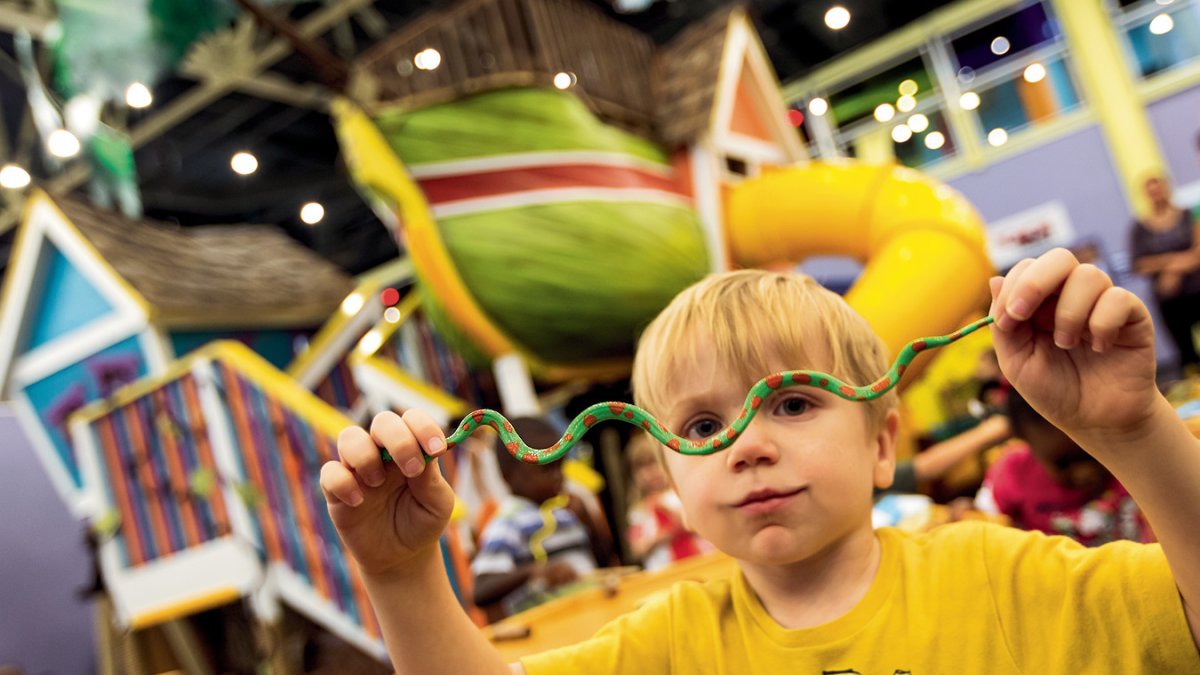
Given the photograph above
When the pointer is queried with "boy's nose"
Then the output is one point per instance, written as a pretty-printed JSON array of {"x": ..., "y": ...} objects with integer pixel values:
[{"x": 752, "y": 448}]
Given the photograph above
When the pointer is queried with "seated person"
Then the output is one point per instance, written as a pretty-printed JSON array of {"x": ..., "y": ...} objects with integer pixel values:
[
  {"x": 508, "y": 575},
  {"x": 658, "y": 535},
  {"x": 1048, "y": 483}
]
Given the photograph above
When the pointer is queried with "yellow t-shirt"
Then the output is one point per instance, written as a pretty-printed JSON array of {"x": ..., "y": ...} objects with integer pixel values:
[{"x": 964, "y": 598}]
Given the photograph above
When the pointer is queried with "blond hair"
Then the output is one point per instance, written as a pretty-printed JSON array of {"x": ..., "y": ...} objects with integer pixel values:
[{"x": 752, "y": 319}]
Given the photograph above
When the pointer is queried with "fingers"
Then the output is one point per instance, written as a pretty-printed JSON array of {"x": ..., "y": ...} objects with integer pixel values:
[
  {"x": 339, "y": 485},
  {"x": 1030, "y": 283},
  {"x": 360, "y": 453},
  {"x": 1081, "y": 300},
  {"x": 1115, "y": 309},
  {"x": 1076, "y": 301},
  {"x": 408, "y": 439}
]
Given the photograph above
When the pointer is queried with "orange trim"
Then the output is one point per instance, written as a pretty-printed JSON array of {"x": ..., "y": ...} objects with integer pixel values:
[
  {"x": 108, "y": 441},
  {"x": 153, "y": 500},
  {"x": 270, "y": 535},
  {"x": 199, "y": 603},
  {"x": 287, "y": 457},
  {"x": 177, "y": 476}
]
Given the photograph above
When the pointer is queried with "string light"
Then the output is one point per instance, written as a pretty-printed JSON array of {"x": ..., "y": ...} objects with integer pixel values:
[
  {"x": 392, "y": 315},
  {"x": 1162, "y": 24},
  {"x": 837, "y": 17},
  {"x": 918, "y": 123},
  {"x": 137, "y": 95},
  {"x": 14, "y": 177},
  {"x": 427, "y": 59},
  {"x": 312, "y": 213},
  {"x": 62, "y": 143},
  {"x": 1000, "y": 45},
  {"x": 352, "y": 304},
  {"x": 243, "y": 163},
  {"x": 906, "y": 103},
  {"x": 934, "y": 140},
  {"x": 1035, "y": 72},
  {"x": 564, "y": 80},
  {"x": 908, "y": 88},
  {"x": 884, "y": 112},
  {"x": 969, "y": 100},
  {"x": 997, "y": 137},
  {"x": 901, "y": 133},
  {"x": 818, "y": 107}
]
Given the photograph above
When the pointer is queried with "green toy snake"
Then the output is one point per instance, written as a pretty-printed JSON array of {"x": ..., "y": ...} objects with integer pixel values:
[{"x": 631, "y": 414}]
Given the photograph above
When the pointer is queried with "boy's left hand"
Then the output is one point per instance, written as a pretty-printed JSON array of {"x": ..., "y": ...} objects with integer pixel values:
[{"x": 1079, "y": 349}]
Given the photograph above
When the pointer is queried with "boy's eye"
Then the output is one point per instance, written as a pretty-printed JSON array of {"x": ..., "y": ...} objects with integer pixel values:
[
  {"x": 792, "y": 406},
  {"x": 701, "y": 429}
]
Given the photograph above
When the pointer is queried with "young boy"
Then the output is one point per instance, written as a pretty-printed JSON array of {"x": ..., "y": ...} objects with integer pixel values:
[
  {"x": 507, "y": 572},
  {"x": 818, "y": 590}
]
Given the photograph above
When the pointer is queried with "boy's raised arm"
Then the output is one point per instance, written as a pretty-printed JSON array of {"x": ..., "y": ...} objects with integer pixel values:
[
  {"x": 1081, "y": 351},
  {"x": 390, "y": 517}
]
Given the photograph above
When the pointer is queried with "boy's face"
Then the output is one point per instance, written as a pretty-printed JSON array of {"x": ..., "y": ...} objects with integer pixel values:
[
  {"x": 798, "y": 479},
  {"x": 535, "y": 482}
]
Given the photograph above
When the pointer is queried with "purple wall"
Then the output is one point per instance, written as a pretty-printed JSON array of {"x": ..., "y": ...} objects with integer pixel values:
[
  {"x": 1078, "y": 171},
  {"x": 1176, "y": 121},
  {"x": 44, "y": 628}
]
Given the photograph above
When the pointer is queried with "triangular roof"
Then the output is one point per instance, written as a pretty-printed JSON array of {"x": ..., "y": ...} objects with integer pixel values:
[
  {"x": 716, "y": 77},
  {"x": 686, "y": 76},
  {"x": 239, "y": 276}
]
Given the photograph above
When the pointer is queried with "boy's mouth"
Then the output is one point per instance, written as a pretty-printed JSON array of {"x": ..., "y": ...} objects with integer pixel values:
[{"x": 766, "y": 500}]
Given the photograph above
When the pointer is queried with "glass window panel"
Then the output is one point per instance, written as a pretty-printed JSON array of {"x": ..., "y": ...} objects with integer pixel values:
[
  {"x": 1013, "y": 102},
  {"x": 1163, "y": 40},
  {"x": 1005, "y": 38},
  {"x": 929, "y": 145},
  {"x": 859, "y": 100}
]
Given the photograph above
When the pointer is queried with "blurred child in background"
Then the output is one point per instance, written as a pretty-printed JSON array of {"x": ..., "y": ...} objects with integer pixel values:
[
  {"x": 1048, "y": 483},
  {"x": 536, "y": 543},
  {"x": 658, "y": 535}
]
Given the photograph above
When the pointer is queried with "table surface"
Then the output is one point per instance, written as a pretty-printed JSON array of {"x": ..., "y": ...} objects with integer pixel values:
[{"x": 576, "y": 617}]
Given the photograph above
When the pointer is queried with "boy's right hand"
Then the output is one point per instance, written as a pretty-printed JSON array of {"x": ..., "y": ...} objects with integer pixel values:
[{"x": 388, "y": 514}]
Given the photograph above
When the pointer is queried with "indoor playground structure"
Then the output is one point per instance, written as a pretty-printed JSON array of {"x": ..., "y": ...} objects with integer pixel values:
[{"x": 592, "y": 172}]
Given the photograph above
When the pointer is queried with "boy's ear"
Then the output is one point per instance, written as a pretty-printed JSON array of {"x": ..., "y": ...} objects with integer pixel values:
[{"x": 885, "y": 450}]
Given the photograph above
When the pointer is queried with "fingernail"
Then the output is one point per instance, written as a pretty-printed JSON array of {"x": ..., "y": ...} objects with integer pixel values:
[
  {"x": 1005, "y": 322},
  {"x": 1064, "y": 340},
  {"x": 1098, "y": 345},
  {"x": 354, "y": 498},
  {"x": 435, "y": 445},
  {"x": 1019, "y": 309},
  {"x": 412, "y": 467},
  {"x": 374, "y": 478}
]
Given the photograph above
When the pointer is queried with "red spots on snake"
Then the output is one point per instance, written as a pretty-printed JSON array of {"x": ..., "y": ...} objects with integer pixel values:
[
  {"x": 512, "y": 447},
  {"x": 616, "y": 408},
  {"x": 731, "y": 434},
  {"x": 508, "y": 427},
  {"x": 802, "y": 378},
  {"x": 530, "y": 458},
  {"x": 589, "y": 421},
  {"x": 628, "y": 414},
  {"x": 919, "y": 345},
  {"x": 568, "y": 438},
  {"x": 824, "y": 382},
  {"x": 846, "y": 390},
  {"x": 673, "y": 444},
  {"x": 755, "y": 402},
  {"x": 646, "y": 425},
  {"x": 775, "y": 381},
  {"x": 881, "y": 385},
  {"x": 716, "y": 442},
  {"x": 477, "y": 416}
]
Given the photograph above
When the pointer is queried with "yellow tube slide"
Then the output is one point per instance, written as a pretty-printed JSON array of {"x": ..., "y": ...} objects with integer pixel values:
[{"x": 921, "y": 243}]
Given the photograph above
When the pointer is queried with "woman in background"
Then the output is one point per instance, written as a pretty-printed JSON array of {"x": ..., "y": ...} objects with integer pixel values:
[{"x": 1165, "y": 246}]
